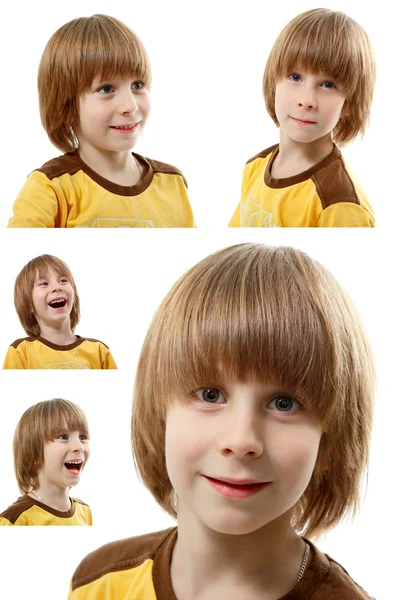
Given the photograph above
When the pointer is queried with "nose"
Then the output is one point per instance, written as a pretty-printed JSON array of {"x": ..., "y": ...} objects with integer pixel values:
[
  {"x": 128, "y": 104},
  {"x": 76, "y": 444},
  {"x": 307, "y": 97},
  {"x": 242, "y": 437}
]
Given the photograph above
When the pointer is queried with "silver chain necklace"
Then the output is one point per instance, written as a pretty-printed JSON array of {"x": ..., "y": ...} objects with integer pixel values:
[{"x": 303, "y": 562}]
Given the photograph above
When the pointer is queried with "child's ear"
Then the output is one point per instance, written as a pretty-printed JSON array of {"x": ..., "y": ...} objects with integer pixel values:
[
  {"x": 345, "y": 110},
  {"x": 322, "y": 463}
]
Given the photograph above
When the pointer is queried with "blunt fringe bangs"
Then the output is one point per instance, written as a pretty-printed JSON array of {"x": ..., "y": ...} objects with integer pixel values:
[
  {"x": 40, "y": 424},
  {"x": 322, "y": 40},
  {"x": 77, "y": 53},
  {"x": 266, "y": 314},
  {"x": 40, "y": 266}
]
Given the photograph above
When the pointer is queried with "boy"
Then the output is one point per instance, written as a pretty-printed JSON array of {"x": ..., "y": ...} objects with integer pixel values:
[
  {"x": 94, "y": 80},
  {"x": 47, "y": 304},
  {"x": 51, "y": 448},
  {"x": 318, "y": 87},
  {"x": 255, "y": 428}
]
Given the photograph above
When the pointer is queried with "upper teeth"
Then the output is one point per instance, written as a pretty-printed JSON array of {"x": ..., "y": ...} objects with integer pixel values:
[
  {"x": 124, "y": 126},
  {"x": 75, "y": 462}
]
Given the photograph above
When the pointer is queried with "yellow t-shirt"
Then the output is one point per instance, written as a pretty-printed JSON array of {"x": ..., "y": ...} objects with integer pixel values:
[
  {"x": 323, "y": 196},
  {"x": 66, "y": 192},
  {"x": 139, "y": 569},
  {"x": 38, "y": 353},
  {"x": 29, "y": 511}
]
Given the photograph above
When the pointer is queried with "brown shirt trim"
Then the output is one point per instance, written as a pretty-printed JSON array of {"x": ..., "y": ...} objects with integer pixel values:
[
  {"x": 79, "y": 340},
  {"x": 71, "y": 163},
  {"x": 272, "y": 182},
  {"x": 123, "y": 555},
  {"x": 263, "y": 153},
  {"x": 24, "y": 503},
  {"x": 323, "y": 579}
]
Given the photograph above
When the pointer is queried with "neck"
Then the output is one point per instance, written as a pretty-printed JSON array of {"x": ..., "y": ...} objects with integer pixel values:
[
  {"x": 114, "y": 166},
  {"x": 53, "y": 496},
  {"x": 296, "y": 157},
  {"x": 61, "y": 335},
  {"x": 264, "y": 563}
]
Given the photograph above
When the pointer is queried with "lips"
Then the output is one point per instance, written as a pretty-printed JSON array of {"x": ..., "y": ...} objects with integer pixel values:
[
  {"x": 125, "y": 128},
  {"x": 58, "y": 302},
  {"x": 74, "y": 466},
  {"x": 303, "y": 121},
  {"x": 231, "y": 488}
]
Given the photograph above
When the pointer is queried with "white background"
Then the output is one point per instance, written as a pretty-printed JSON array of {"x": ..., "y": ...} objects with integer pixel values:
[
  {"x": 208, "y": 118},
  {"x": 121, "y": 279},
  {"x": 208, "y": 115}
]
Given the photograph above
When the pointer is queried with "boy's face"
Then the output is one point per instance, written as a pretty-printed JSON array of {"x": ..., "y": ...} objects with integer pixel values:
[
  {"x": 64, "y": 459},
  {"x": 53, "y": 298},
  {"x": 240, "y": 455},
  {"x": 308, "y": 106},
  {"x": 112, "y": 114}
]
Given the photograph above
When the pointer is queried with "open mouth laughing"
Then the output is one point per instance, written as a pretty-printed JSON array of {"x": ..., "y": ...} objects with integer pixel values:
[
  {"x": 74, "y": 466},
  {"x": 58, "y": 303}
]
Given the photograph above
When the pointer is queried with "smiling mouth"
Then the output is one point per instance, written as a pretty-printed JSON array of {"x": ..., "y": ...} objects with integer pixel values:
[
  {"x": 303, "y": 122},
  {"x": 125, "y": 128},
  {"x": 74, "y": 467},
  {"x": 60, "y": 303},
  {"x": 231, "y": 489}
]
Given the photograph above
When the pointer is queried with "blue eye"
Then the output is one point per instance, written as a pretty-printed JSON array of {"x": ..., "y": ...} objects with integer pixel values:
[
  {"x": 295, "y": 77},
  {"x": 329, "y": 85},
  {"x": 284, "y": 404},
  {"x": 106, "y": 90},
  {"x": 209, "y": 395},
  {"x": 138, "y": 85}
]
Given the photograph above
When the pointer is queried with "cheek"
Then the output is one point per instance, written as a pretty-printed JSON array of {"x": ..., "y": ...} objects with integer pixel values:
[
  {"x": 293, "y": 452},
  {"x": 145, "y": 105},
  {"x": 183, "y": 445}
]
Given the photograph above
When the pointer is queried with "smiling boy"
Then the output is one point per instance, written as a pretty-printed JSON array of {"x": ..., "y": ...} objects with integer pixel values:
[
  {"x": 94, "y": 97},
  {"x": 255, "y": 429},
  {"x": 318, "y": 87},
  {"x": 51, "y": 449},
  {"x": 47, "y": 303}
]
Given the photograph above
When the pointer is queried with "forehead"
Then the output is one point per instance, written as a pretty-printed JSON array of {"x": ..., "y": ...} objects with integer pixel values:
[{"x": 48, "y": 272}]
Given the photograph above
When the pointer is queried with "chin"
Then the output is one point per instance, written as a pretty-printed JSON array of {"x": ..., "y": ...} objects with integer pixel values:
[{"x": 236, "y": 524}]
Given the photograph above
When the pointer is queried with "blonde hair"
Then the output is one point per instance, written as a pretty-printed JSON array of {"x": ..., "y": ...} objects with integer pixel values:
[
  {"x": 322, "y": 40},
  {"x": 40, "y": 424},
  {"x": 77, "y": 53},
  {"x": 40, "y": 266},
  {"x": 268, "y": 314}
]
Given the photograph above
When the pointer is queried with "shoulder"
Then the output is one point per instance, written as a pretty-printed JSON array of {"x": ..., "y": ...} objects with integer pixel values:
[
  {"x": 119, "y": 556},
  {"x": 21, "y": 341},
  {"x": 163, "y": 168},
  {"x": 92, "y": 341},
  {"x": 263, "y": 154},
  {"x": 80, "y": 502},
  {"x": 332, "y": 580},
  {"x": 69, "y": 163},
  {"x": 333, "y": 181},
  {"x": 13, "y": 512}
]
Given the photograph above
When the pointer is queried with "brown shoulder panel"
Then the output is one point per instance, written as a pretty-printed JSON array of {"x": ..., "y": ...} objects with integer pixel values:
[
  {"x": 15, "y": 510},
  {"x": 340, "y": 580},
  {"x": 334, "y": 184},
  {"x": 160, "y": 167},
  {"x": 325, "y": 579},
  {"x": 263, "y": 153},
  {"x": 118, "y": 556},
  {"x": 20, "y": 340},
  {"x": 79, "y": 502},
  {"x": 67, "y": 163},
  {"x": 96, "y": 341}
]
